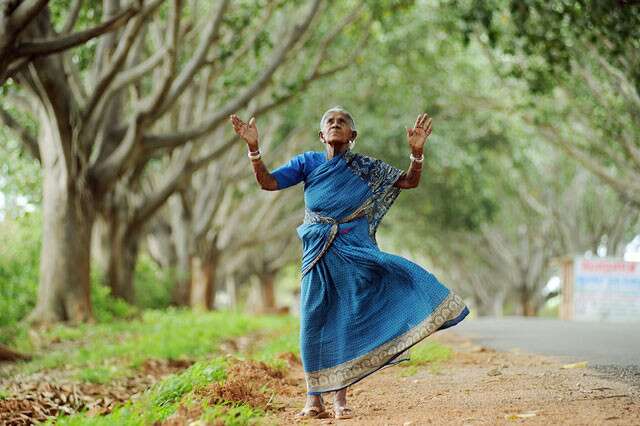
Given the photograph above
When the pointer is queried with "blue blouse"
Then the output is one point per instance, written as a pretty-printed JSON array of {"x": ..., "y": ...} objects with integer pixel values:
[{"x": 298, "y": 168}]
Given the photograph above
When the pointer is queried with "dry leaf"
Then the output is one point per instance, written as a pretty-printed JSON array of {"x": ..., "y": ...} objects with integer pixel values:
[
  {"x": 494, "y": 372},
  {"x": 525, "y": 415},
  {"x": 581, "y": 364}
]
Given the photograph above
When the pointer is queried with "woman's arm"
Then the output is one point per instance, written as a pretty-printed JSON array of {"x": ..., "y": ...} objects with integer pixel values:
[
  {"x": 417, "y": 137},
  {"x": 410, "y": 178},
  {"x": 249, "y": 132},
  {"x": 264, "y": 178}
]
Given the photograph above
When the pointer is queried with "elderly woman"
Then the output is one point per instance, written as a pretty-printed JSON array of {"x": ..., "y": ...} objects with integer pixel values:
[{"x": 361, "y": 309}]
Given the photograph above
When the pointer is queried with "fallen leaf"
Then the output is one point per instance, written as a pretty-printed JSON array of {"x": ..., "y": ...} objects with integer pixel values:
[
  {"x": 525, "y": 415},
  {"x": 581, "y": 364},
  {"x": 494, "y": 372}
]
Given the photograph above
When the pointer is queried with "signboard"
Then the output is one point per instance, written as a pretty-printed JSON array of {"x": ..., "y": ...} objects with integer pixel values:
[{"x": 604, "y": 289}]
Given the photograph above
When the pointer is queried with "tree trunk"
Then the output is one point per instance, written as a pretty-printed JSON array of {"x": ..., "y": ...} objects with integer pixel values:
[
  {"x": 526, "y": 303},
  {"x": 232, "y": 291},
  {"x": 498, "y": 305},
  {"x": 64, "y": 290},
  {"x": 203, "y": 278},
  {"x": 122, "y": 264},
  {"x": 65, "y": 286},
  {"x": 203, "y": 283},
  {"x": 267, "y": 287},
  {"x": 7, "y": 354},
  {"x": 116, "y": 248},
  {"x": 159, "y": 244},
  {"x": 478, "y": 304},
  {"x": 180, "y": 226}
]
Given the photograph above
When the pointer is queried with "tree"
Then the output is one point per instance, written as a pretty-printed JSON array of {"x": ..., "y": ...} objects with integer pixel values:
[
  {"x": 87, "y": 149},
  {"x": 128, "y": 211},
  {"x": 581, "y": 58},
  {"x": 17, "y": 46}
]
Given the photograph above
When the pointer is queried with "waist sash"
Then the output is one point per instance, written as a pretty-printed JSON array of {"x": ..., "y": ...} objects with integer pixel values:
[{"x": 311, "y": 217}]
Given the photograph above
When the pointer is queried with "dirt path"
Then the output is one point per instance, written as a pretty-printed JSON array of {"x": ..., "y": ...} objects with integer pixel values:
[{"x": 479, "y": 386}]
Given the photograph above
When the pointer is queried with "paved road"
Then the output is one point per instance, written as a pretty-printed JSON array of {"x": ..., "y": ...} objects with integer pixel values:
[{"x": 613, "y": 348}]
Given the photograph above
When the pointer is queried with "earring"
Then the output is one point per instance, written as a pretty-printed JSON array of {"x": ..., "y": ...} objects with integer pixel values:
[{"x": 351, "y": 144}]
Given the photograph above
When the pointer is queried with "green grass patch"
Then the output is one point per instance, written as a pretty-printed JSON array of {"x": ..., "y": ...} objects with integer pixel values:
[
  {"x": 231, "y": 415},
  {"x": 429, "y": 352},
  {"x": 408, "y": 371},
  {"x": 101, "y": 374},
  {"x": 171, "y": 334},
  {"x": 287, "y": 339},
  {"x": 165, "y": 398}
]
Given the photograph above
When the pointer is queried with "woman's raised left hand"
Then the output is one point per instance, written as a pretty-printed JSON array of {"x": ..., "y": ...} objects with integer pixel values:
[{"x": 418, "y": 135}]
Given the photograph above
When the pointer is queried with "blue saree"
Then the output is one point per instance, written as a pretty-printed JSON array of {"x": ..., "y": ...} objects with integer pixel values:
[{"x": 361, "y": 309}]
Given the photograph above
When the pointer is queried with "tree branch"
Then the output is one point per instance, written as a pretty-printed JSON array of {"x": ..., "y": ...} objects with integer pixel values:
[
  {"x": 154, "y": 201},
  {"x": 135, "y": 73},
  {"x": 27, "y": 139},
  {"x": 314, "y": 75},
  {"x": 46, "y": 47},
  {"x": 108, "y": 170},
  {"x": 207, "y": 201},
  {"x": 72, "y": 17},
  {"x": 24, "y": 14},
  {"x": 628, "y": 189},
  {"x": 243, "y": 98},
  {"x": 210, "y": 34},
  {"x": 119, "y": 57}
]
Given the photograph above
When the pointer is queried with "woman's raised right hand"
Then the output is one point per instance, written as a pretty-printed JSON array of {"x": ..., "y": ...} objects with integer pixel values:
[{"x": 246, "y": 131}]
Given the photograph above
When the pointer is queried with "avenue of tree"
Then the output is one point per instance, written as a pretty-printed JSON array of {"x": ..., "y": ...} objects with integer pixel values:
[{"x": 121, "y": 109}]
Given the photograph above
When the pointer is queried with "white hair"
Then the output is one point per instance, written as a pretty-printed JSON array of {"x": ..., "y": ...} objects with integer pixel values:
[{"x": 338, "y": 108}]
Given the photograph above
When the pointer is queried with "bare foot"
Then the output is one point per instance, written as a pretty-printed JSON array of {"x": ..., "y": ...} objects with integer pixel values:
[
  {"x": 340, "y": 409},
  {"x": 314, "y": 408}
]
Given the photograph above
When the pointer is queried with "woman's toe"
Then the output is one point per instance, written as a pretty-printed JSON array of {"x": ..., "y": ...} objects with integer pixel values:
[
  {"x": 310, "y": 412},
  {"x": 343, "y": 412},
  {"x": 313, "y": 412}
]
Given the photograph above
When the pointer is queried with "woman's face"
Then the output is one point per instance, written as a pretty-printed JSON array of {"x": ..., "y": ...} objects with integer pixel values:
[{"x": 336, "y": 129}]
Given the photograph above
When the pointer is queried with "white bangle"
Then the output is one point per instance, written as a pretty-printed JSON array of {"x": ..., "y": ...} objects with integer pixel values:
[
  {"x": 255, "y": 155},
  {"x": 417, "y": 160}
]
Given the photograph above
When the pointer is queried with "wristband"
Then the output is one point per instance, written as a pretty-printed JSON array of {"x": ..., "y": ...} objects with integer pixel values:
[
  {"x": 416, "y": 159},
  {"x": 254, "y": 155}
]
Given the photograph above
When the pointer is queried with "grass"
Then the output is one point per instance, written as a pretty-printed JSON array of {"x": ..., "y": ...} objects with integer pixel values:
[
  {"x": 430, "y": 354},
  {"x": 408, "y": 371},
  {"x": 287, "y": 340},
  {"x": 98, "y": 353},
  {"x": 177, "y": 391},
  {"x": 160, "y": 401},
  {"x": 99, "y": 375},
  {"x": 238, "y": 415},
  {"x": 101, "y": 352}
]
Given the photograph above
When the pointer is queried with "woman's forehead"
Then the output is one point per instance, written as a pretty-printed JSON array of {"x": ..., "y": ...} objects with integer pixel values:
[{"x": 335, "y": 114}]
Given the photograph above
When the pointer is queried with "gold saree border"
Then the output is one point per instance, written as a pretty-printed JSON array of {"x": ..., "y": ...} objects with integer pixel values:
[{"x": 342, "y": 375}]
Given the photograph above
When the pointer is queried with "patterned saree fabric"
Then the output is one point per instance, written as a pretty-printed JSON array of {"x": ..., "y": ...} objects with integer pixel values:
[{"x": 361, "y": 308}]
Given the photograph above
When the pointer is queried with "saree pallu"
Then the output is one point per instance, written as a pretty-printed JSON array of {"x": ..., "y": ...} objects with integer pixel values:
[{"x": 361, "y": 309}]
